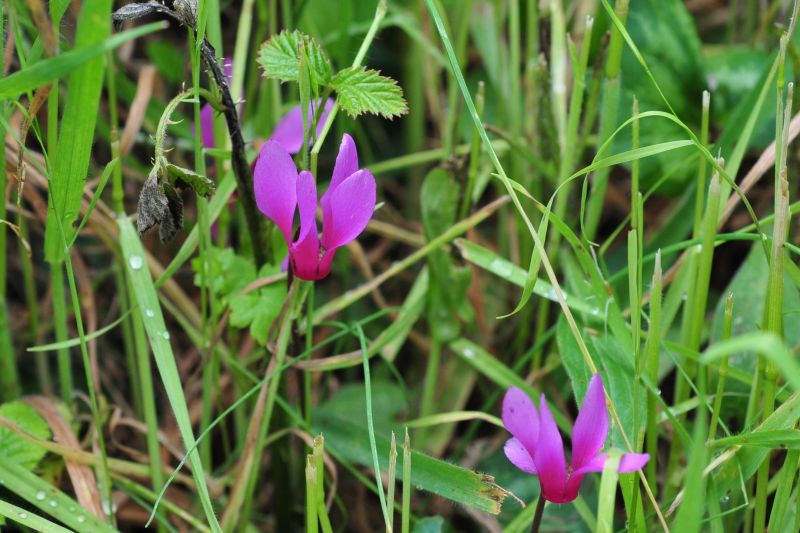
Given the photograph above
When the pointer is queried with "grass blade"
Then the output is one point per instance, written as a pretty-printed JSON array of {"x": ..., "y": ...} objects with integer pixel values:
[{"x": 150, "y": 311}]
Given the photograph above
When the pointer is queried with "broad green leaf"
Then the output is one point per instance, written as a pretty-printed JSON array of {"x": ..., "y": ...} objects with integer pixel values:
[
  {"x": 77, "y": 129},
  {"x": 448, "y": 282},
  {"x": 505, "y": 269},
  {"x": 572, "y": 359},
  {"x": 278, "y": 57},
  {"x": 667, "y": 38},
  {"x": 362, "y": 90},
  {"x": 228, "y": 273},
  {"x": 17, "y": 449},
  {"x": 346, "y": 436},
  {"x": 260, "y": 308},
  {"x": 497, "y": 372},
  {"x": 749, "y": 289}
]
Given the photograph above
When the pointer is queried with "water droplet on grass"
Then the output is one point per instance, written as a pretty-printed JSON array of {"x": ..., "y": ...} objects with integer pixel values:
[
  {"x": 136, "y": 262},
  {"x": 81, "y": 519},
  {"x": 53, "y": 503},
  {"x": 150, "y": 313},
  {"x": 23, "y": 515},
  {"x": 41, "y": 495},
  {"x": 165, "y": 335}
]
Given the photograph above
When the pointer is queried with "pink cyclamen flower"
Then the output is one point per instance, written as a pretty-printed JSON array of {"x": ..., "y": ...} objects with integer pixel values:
[
  {"x": 347, "y": 205},
  {"x": 536, "y": 446}
]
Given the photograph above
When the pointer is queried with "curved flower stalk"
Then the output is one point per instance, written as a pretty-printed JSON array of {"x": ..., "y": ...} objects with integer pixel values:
[
  {"x": 536, "y": 446},
  {"x": 347, "y": 205}
]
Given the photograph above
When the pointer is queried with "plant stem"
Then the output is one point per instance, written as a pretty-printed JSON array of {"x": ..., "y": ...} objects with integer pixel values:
[
  {"x": 406, "y": 511},
  {"x": 651, "y": 353},
  {"x": 60, "y": 325},
  {"x": 537, "y": 517}
]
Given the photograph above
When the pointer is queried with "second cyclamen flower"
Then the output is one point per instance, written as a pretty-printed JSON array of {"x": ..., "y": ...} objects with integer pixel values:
[{"x": 347, "y": 205}]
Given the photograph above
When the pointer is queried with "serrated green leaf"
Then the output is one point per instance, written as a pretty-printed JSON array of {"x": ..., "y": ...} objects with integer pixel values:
[
  {"x": 363, "y": 90},
  {"x": 228, "y": 273},
  {"x": 278, "y": 57},
  {"x": 16, "y": 449},
  {"x": 260, "y": 308}
]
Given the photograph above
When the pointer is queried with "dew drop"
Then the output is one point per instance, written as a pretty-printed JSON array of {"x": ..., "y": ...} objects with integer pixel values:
[
  {"x": 165, "y": 335},
  {"x": 41, "y": 495},
  {"x": 501, "y": 268},
  {"x": 71, "y": 509},
  {"x": 136, "y": 262},
  {"x": 726, "y": 498},
  {"x": 53, "y": 503},
  {"x": 469, "y": 353},
  {"x": 23, "y": 515},
  {"x": 81, "y": 519},
  {"x": 150, "y": 313}
]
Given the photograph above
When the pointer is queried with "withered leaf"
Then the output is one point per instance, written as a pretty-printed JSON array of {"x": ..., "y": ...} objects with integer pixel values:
[{"x": 159, "y": 203}]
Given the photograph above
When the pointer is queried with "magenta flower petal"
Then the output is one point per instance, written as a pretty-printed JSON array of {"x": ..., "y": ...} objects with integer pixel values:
[
  {"x": 275, "y": 183},
  {"x": 631, "y": 462},
  {"x": 591, "y": 427},
  {"x": 595, "y": 464},
  {"x": 304, "y": 253},
  {"x": 549, "y": 457},
  {"x": 346, "y": 164},
  {"x": 519, "y": 456},
  {"x": 289, "y": 131},
  {"x": 207, "y": 125},
  {"x": 520, "y": 418},
  {"x": 350, "y": 207}
]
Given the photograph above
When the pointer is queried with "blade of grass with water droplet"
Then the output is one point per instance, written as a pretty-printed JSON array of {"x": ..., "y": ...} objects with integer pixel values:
[
  {"x": 42, "y": 494},
  {"x": 150, "y": 311}
]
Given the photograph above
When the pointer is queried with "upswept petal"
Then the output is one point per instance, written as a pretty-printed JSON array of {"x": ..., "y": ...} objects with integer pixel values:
[
  {"x": 348, "y": 210},
  {"x": 346, "y": 164},
  {"x": 520, "y": 418},
  {"x": 549, "y": 457},
  {"x": 289, "y": 130},
  {"x": 274, "y": 183},
  {"x": 591, "y": 427},
  {"x": 519, "y": 456},
  {"x": 305, "y": 252},
  {"x": 631, "y": 462}
]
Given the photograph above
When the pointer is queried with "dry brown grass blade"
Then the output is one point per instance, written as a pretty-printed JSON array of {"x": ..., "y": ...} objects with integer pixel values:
[
  {"x": 136, "y": 113},
  {"x": 81, "y": 476},
  {"x": 43, "y": 25}
]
